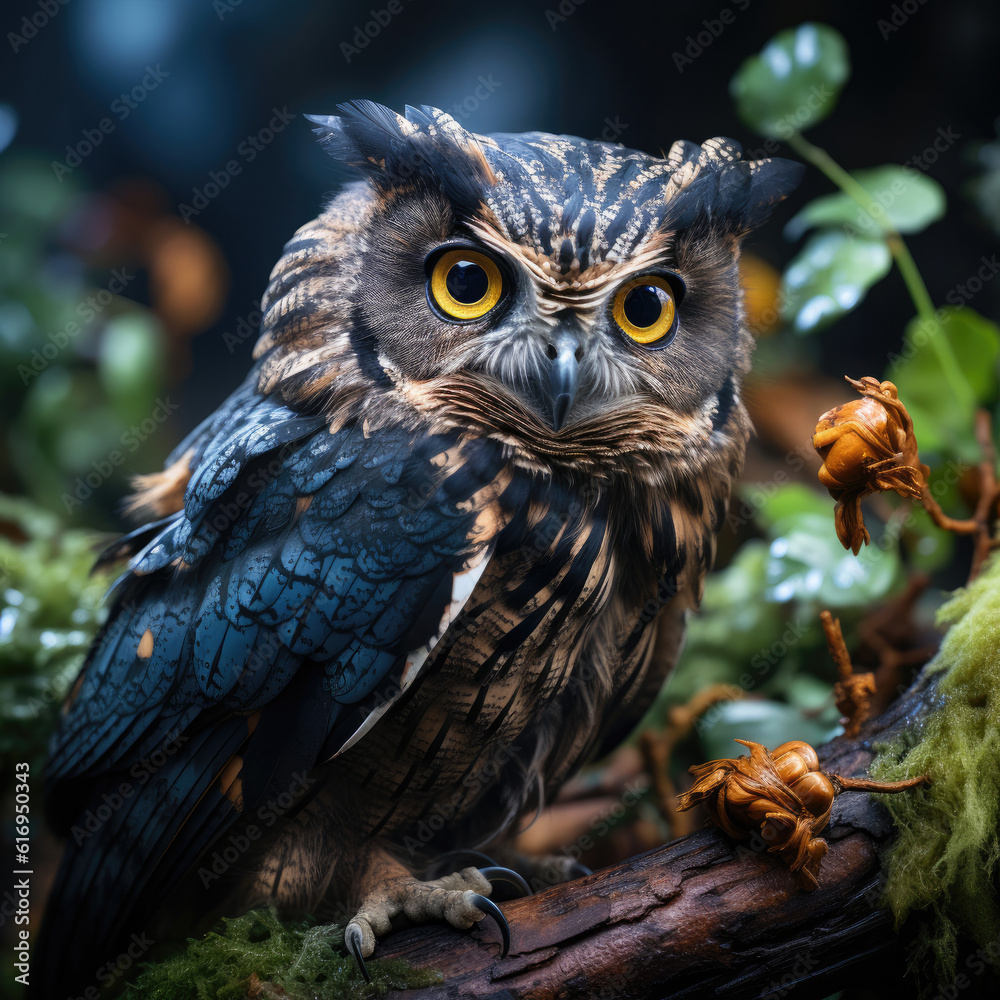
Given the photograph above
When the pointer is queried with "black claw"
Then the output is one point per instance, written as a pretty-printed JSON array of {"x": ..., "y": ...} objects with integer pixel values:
[
  {"x": 576, "y": 870},
  {"x": 352, "y": 938},
  {"x": 508, "y": 876},
  {"x": 491, "y": 909}
]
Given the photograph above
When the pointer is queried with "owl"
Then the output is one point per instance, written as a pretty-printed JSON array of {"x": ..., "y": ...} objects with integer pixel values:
[{"x": 433, "y": 554}]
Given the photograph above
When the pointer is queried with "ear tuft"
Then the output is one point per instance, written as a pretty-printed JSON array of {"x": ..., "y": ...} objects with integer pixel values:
[
  {"x": 713, "y": 186},
  {"x": 771, "y": 181},
  {"x": 426, "y": 148}
]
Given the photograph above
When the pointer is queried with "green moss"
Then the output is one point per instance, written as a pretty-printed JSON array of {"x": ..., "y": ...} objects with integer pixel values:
[
  {"x": 50, "y": 606},
  {"x": 946, "y": 857},
  {"x": 303, "y": 959}
]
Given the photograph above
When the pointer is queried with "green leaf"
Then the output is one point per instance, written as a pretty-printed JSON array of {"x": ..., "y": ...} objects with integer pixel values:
[
  {"x": 791, "y": 500},
  {"x": 734, "y": 620},
  {"x": 807, "y": 563},
  {"x": 903, "y": 200},
  {"x": 830, "y": 277},
  {"x": 131, "y": 358},
  {"x": 929, "y": 547},
  {"x": 768, "y": 722},
  {"x": 943, "y": 417},
  {"x": 794, "y": 82}
]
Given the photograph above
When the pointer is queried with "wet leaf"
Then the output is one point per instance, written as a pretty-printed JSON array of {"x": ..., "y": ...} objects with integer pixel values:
[
  {"x": 929, "y": 547},
  {"x": 131, "y": 363},
  {"x": 50, "y": 606},
  {"x": 903, "y": 200},
  {"x": 794, "y": 499},
  {"x": 768, "y": 722},
  {"x": 808, "y": 563},
  {"x": 943, "y": 414},
  {"x": 793, "y": 82},
  {"x": 830, "y": 277}
]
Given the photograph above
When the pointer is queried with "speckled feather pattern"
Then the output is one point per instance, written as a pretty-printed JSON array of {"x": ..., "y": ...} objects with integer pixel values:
[{"x": 376, "y": 587}]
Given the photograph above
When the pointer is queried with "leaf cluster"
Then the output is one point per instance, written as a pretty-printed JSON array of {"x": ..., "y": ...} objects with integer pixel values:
[{"x": 947, "y": 364}]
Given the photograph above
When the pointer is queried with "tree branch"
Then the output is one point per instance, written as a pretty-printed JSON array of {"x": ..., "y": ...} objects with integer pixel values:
[{"x": 700, "y": 915}]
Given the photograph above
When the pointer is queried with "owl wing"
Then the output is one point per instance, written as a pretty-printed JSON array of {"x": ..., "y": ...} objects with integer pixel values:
[{"x": 255, "y": 633}]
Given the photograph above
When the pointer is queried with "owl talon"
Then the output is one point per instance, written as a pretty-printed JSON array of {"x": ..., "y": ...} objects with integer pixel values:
[
  {"x": 353, "y": 939},
  {"x": 491, "y": 909},
  {"x": 459, "y": 899},
  {"x": 506, "y": 876}
]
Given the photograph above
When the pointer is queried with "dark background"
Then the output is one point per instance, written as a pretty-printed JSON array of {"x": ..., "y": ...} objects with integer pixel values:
[
  {"x": 582, "y": 68},
  {"x": 224, "y": 68}
]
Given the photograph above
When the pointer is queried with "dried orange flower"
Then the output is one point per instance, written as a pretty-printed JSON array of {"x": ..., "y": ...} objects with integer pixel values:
[
  {"x": 867, "y": 446},
  {"x": 785, "y": 795},
  {"x": 759, "y": 793}
]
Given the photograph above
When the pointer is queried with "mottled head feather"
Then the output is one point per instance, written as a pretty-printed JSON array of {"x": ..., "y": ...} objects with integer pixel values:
[
  {"x": 574, "y": 201},
  {"x": 426, "y": 148}
]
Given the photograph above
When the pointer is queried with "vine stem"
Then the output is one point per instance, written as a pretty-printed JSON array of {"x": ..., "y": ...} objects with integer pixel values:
[
  {"x": 822, "y": 160},
  {"x": 885, "y": 787},
  {"x": 981, "y": 523}
]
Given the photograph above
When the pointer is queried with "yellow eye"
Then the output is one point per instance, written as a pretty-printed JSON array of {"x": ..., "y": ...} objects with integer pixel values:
[
  {"x": 645, "y": 309},
  {"x": 465, "y": 284}
]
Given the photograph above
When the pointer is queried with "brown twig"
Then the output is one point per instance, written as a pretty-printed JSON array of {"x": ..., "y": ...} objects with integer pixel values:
[
  {"x": 658, "y": 747},
  {"x": 853, "y": 692},
  {"x": 988, "y": 506},
  {"x": 835, "y": 643},
  {"x": 888, "y": 787},
  {"x": 981, "y": 523},
  {"x": 886, "y": 630}
]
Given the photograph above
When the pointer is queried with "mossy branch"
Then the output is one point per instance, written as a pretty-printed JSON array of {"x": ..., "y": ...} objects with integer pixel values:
[{"x": 705, "y": 914}]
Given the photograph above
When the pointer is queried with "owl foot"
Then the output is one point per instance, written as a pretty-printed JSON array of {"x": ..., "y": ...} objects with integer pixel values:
[
  {"x": 459, "y": 899},
  {"x": 507, "y": 883}
]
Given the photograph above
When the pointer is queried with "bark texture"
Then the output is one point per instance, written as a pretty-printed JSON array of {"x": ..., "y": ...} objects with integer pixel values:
[{"x": 702, "y": 915}]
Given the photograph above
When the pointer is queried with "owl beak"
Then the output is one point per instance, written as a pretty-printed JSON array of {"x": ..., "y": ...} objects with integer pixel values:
[{"x": 564, "y": 376}]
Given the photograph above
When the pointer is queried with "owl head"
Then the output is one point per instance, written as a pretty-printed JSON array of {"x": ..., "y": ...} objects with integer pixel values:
[{"x": 571, "y": 298}]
